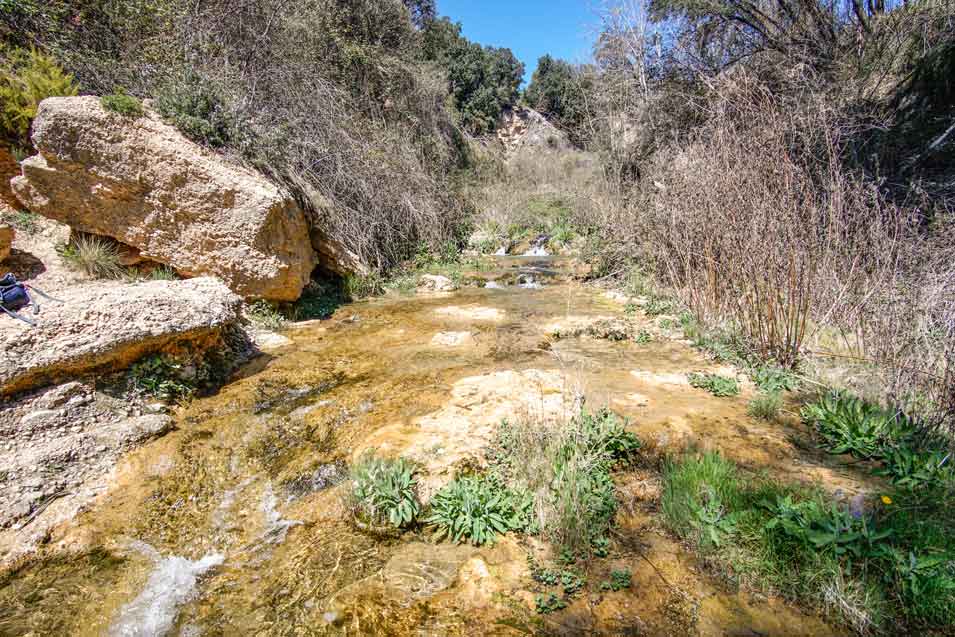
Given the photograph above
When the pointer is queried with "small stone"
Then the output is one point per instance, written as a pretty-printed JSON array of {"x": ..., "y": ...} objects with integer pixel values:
[{"x": 39, "y": 418}]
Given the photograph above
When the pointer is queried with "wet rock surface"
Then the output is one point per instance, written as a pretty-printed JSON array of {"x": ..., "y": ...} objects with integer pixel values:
[
  {"x": 258, "y": 474},
  {"x": 55, "y": 444}
]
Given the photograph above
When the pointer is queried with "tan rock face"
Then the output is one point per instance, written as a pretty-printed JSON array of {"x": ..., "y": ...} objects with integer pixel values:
[
  {"x": 141, "y": 182},
  {"x": 6, "y": 240},
  {"x": 104, "y": 326}
]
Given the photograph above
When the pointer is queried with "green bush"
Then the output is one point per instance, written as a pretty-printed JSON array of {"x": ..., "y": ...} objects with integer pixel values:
[
  {"x": 197, "y": 111},
  {"x": 27, "y": 77},
  {"x": 567, "y": 467},
  {"x": 477, "y": 509},
  {"x": 385, "y": 492},
  {"x": 559, "y": 92},
  {"x": 125, "y": 105},
  {"x": 483, "y": 80},
  {"x": 882, "y": 566},
  {"x": 719, "y": 386}
]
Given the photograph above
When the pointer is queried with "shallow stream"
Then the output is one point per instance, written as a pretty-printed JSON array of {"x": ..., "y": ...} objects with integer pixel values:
[{"x": 236, "y": 523}]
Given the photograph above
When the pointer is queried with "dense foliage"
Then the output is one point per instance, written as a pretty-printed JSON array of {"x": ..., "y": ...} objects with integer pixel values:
[
  {"x": 559, "y": 92},
  {"x": 27, "y": 77},
  {"x": 483, "y": 80}
]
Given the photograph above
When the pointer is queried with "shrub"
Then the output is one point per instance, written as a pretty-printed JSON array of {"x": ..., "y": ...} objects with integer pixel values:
[
  {"x": 566, "y": 467},
  {"x": 719, "y": 386},
  {"x": 766, "y": 406},
  {"x": 385, "y": 492},
  {"x": 27, "y": 77},
  {"x": 96, "y": 256},
  {"x": 477, "y": 509},
  {"x": 125, "y": 105},
  {"x": 199, "y": 113}
]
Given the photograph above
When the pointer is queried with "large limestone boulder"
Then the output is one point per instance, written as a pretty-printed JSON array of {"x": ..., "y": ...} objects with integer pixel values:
[
  {"x": 6, "y": 240},
  {"x": 103, "y": 326},
  {"x": 141, "y": 182}
]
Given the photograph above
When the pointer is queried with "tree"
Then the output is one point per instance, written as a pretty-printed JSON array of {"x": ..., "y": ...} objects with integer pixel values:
[
  {"x": 423, "y": 12},
  {"x": 557, "y": 91},
  {"x": 483, "y": 80}
]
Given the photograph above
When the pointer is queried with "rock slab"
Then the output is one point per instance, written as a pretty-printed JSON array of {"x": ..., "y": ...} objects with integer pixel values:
[
  {"x": 141, "y": 182},
  {"x": 104, "y": 326},
  {"x": 6, "y": 240}
]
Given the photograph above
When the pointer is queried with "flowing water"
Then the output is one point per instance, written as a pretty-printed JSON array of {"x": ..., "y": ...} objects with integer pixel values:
[{"x": 237, "y": 523}]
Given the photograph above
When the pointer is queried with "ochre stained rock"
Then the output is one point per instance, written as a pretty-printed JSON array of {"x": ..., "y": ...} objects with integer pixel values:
[{"x": 141, "y": 182}]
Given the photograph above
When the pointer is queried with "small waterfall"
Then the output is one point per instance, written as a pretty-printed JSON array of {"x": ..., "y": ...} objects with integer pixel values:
[
  {"x": 171, "y": 584},
  {"x": 538, "y": 247}
]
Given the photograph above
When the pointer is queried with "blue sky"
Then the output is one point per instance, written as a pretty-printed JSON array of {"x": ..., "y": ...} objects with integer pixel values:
[{"x": 530, "y": 28}]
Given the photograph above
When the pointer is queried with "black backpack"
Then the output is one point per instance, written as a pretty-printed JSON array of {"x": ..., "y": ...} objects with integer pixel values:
[{"x": 14, "y": 296}]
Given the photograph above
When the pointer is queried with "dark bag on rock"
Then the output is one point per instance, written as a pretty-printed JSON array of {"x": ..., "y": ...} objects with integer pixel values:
[{"x": 14, "y": 296}]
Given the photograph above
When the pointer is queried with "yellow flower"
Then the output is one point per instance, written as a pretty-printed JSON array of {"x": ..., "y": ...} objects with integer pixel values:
[{"x": 886, "y": 500}]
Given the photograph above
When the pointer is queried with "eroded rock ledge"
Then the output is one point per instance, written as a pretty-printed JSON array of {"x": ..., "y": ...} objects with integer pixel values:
[{"x": 102, "y": 327}]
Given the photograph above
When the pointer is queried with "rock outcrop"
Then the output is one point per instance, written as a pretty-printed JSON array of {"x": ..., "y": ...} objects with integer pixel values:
[
  {"x": 141, "y": 182},
  {"x": 523, "y": 127},
  {"x": 104, "y": 326},
  {"x": 6, "y": 240}
]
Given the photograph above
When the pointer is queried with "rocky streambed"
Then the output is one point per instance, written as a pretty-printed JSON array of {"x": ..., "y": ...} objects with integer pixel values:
[{"x": 236, "y": 520}]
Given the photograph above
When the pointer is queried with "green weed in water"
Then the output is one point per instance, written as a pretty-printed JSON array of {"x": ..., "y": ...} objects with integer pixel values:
[
  {"x": 385, "y": 491},
  {"x": 719, "y": 386},
  {"x": 477, "y": 509}
]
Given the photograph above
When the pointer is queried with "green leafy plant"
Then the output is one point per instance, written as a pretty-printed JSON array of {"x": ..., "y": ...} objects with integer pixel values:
[
  {"x": 25, "y": 221},
  {"x": 549, "y": 603},
  {"x": 27, "y": 77},
  {"x": 657, "y": 305},
  {"x": 911, "y": 469},
  {"x": 125, "y": 105},
  {"x": 619, "y": 580},
  {"x": 385, "y": 491},
  {"x": 719, "y": 386},
  {"x": 766, "y": 406},
  {"x": 826, "y": 527},
  {"x": 770, "y": 379},
  {"x": 848, "y": 424},
  {"x": 163, "y": 377},
  {"x": 643, "y": 337},
  {"x": 567, "y": 465},
  {"x": 265, "y": 314},
  {"x": 477, "y": 509}
]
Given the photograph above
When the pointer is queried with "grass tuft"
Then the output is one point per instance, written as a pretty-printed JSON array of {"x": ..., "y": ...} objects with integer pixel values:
[
  {"x": 766, "y": 406},
  {"x": 97, "y": 256}
]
